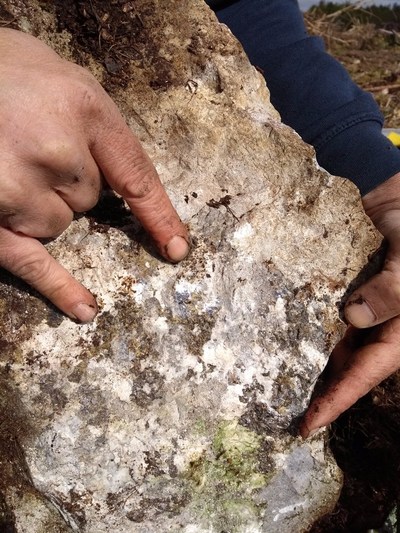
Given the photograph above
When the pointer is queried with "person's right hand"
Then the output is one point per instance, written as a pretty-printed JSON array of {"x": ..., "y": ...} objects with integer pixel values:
[
  {"x": 60, "y": 134},
  {"x": 370, "y": 349}
]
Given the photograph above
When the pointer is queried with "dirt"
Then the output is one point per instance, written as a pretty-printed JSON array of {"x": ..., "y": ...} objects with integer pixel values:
[
  {"x": 365, "y": 442},
  {"x": 111, "y": 31}
]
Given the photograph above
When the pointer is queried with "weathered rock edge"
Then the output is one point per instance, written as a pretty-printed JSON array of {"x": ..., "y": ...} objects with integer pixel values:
[{"x": 171, "y": 411}]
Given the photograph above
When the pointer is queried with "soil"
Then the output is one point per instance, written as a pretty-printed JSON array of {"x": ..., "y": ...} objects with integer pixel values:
[
  {"x": 105, "y": 28},
  {"x": 365, "y": 443}
]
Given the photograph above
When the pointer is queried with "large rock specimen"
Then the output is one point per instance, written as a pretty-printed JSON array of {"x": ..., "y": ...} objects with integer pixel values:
[{"x": 172, "y": 411}]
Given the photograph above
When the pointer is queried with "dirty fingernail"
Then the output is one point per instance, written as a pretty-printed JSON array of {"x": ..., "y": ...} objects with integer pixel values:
[
  {"x": 307, "y": 433},
  {"x": 84, "y": 312},
  {"x": 360, "y": 314},
  {"x": 177, "y": 248}
]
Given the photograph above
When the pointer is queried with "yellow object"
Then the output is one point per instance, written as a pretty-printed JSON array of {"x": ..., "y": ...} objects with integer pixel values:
[{"x": 395, "y": 138}]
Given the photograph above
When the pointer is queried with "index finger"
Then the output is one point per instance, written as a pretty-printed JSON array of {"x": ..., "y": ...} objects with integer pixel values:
[
  {"x": 129, "y": 171},
  {"x": 357, "y": 373}
]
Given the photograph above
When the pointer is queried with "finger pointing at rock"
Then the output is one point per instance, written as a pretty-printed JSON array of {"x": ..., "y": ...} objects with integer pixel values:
[
  {"x": 357, "y": 364},
  {"x": 60, "y": 134},
  {"x": 378, "y": 299},
  {"x": 129, "y": 171}
]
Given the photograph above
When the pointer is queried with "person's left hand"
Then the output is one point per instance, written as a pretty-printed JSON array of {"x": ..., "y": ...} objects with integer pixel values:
[{"x": 370, "y": 349}]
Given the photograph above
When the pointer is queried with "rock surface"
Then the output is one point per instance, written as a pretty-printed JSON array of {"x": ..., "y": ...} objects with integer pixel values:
[{"x": 172, "y": 412}]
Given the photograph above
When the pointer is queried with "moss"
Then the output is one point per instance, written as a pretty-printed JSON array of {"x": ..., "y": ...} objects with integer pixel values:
[{"x": 225, "y": 478}]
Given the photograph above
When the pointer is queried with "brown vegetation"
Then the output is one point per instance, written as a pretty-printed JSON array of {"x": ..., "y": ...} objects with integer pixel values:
[{"x": 367, "y": 42}]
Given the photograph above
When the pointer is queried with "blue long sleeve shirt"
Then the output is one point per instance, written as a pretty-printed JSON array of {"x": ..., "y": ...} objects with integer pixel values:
[{"x": 312, "y": 91}]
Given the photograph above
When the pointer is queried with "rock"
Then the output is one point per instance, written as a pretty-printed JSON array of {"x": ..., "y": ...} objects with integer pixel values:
[{"x": 173, "y": 410}]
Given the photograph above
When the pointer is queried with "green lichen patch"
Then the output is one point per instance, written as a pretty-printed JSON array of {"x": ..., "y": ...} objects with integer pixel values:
[
  {"x": 201, "y": 426},
  {"x": 225, "y": 478},
  {"x": 236, "y": 448}
]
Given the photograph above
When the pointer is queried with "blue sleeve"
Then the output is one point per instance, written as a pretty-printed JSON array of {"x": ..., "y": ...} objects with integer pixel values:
[{"x": 312, "y": 91}]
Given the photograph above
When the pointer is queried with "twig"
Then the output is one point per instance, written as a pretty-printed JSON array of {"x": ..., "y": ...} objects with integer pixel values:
[
  {"x": 378, "y": 88},
  {"x": 353, "y": 7}
]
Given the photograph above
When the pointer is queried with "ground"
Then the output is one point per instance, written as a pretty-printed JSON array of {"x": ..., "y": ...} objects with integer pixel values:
[{"x": 368, "y": 45}]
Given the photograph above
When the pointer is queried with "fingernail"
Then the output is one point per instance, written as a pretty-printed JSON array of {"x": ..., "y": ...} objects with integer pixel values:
[
  {"x": 177, "y": 248},
  {"x": 309, "y": 433},
  {"x": 305, "y": 432},
  {"x": 84, "y": 312},
  {"x": 359, "y": 313}
]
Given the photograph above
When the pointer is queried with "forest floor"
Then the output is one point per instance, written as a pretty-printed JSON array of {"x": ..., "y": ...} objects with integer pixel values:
[{"x": 366, "y": 439}]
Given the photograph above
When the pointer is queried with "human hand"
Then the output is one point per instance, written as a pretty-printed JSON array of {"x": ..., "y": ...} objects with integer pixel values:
[
  {"x": 363, "y": 358},
  {"x": 60, "y": 136}
]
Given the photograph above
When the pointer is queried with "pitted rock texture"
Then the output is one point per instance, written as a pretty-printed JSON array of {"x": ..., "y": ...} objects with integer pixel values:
[{"x": 172, "y": 411}]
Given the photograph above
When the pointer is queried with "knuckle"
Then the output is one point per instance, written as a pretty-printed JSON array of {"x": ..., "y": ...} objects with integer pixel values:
[
  {"x": 139, "y": 180},
  {"x": 395, "y": 288},
  {"x": 85, "y": 203},
  {"x": 33, "y": 268},
  {"x": 390, "y": 282},
  {"x": 82, "y": 197},
  {"x": 59, "y": 153},
  {"x": 88, "y": 94},
  {"x": 58, "y": 223},
  {"x": 88, "y": 100}
]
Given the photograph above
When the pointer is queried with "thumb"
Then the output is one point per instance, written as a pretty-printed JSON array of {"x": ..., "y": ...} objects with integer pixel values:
[
  {"x": 29, "y": 260},
  {"x": 378, "y": 299}
]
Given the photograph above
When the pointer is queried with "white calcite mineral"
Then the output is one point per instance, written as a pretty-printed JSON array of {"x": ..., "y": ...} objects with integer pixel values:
[{"x": 173, "y": 411}]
